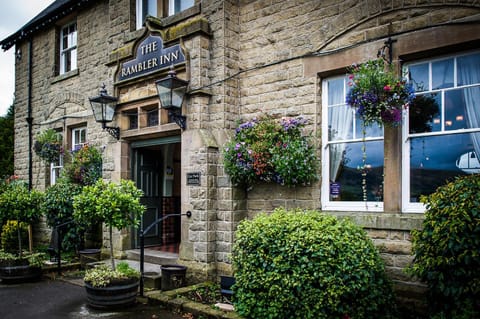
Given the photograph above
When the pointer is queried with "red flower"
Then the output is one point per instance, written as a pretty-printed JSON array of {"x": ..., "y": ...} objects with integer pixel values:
[{"x": 387, "y": 88}]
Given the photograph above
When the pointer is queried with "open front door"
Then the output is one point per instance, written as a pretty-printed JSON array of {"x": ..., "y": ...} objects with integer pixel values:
[
  {"x": 156, "y": 171},
  {"x": 149, "y": 180}
]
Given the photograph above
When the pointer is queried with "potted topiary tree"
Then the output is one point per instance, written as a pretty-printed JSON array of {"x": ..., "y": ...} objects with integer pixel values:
[
  {"x": 19, "y": 203},
  {"x": 115, "y": 205}
]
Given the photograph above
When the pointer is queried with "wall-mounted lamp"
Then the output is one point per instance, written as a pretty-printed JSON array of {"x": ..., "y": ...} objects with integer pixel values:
[
  {"x": 103, "y": 107},
  {"x": 171, "y": 91}
]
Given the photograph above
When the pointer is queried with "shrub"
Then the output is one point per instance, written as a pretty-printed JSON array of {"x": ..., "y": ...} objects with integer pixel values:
[
  {"x": 10, "y": 235},
  {"x": 305, "y": 264},
  {"x": 86, "y": 166},
  {"x": 58, "y": 207},
  {"x": 116, "y": 205},
  {"x": 102, "y": 275},
  {"x": 447, "y": 249}
]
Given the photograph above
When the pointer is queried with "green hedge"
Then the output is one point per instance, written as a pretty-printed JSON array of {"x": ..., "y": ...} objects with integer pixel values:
[
  {"x": 305, "y": 264},
  {"x": 447, "y": 249}
]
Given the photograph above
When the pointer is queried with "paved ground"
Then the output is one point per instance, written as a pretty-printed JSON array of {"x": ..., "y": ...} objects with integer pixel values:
[{"x": 55, "y": 299}]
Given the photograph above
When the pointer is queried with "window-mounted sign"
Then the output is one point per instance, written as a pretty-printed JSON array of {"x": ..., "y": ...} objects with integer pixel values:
[
  {"x": 150, "y": 57},
  {"x": 335, "y": 189},
  {"x": 193, "y": 178}
]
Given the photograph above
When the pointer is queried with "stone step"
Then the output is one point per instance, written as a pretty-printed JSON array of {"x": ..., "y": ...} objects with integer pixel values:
[{"x": 153, "y": 256}]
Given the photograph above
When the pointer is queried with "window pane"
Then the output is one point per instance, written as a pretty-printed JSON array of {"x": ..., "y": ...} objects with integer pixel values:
[
  {"x": 336, "y": 94},
  {"x": 424, "y": 114},
  {"x": 435, "y": 160},
  {"x": 442, "y": 74},
  {"x": 175, "y": 6},
  {"x": 468, "y": 69},
  {"x": 152, "y": 118},
  {"x": 340, "y": 124},
  {"x": 346, "y": 174},
  {"x": 373, "y": 130},
  {"x": 419, "y": 77},
  {"x": 455, "y": 116}
]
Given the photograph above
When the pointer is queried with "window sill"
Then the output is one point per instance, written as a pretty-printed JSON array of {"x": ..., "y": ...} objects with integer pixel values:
[
  {"x": 381, "y": 220},
  {"x": 65, "y": 76}
]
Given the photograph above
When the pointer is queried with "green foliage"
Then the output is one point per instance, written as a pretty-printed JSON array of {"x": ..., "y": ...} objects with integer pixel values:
[
  {"x": 48, "y": 145},
  {"x": 305, "y": 264},
  {"x": 86, "y": 166},
  {"x": 116, "y": 205},
  {"x": 33, "y": 259},
  {"x": 271, "y": 151},
  {"x": 10, "y": 235},
  {"x": 447, "y": 249},
  {"x": 103, "y": 275},
  {"x": 6, "y": 146},
  {"x": 58, "y": 208},
  {"x": 17, "y": 202}
]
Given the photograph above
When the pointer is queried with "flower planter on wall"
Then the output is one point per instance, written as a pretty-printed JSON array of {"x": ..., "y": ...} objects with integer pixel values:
[{"x": 118, "y": 294}]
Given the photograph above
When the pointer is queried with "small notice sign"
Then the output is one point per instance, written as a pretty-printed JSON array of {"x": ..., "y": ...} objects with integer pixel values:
[{"x": 193, "y": 178}]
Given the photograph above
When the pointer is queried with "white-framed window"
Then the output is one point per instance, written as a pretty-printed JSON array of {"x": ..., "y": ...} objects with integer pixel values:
[
  {"x": 342, "y": 153},
  {"x": 56, "y": 167},
  {"x": 146, "y": 8},
  {"x": 79, "y": 137},
  {"x": 176, "y": 6},
  {"x": 68, "y": 47},
  {"x": 442, "y": 129}
]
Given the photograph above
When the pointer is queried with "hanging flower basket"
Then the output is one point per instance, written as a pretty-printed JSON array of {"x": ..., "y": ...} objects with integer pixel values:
[
  {"x": 271, "y": 151},
  {"x": 377, "y": 94},
  {"x": 48, "y": 146}
]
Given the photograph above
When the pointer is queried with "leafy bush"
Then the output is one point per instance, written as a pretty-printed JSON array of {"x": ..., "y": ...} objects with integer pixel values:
[
  {"x": 10, "y": 235},
  {"x": 447, "y": 249},
  {"x": 103, "y": 275},
  {"x": 270, "y": 151},
  {"x": 116, "y": 205},
  {"x": 58, "y": 207},
  {"x": 304, "y": 264},
  {"x": 86, "y": 166}
]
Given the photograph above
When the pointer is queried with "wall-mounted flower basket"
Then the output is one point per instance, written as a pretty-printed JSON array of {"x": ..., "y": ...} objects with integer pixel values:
[
  {"x": 266, "y": 150},
  {"x": 48, "y": 146}
]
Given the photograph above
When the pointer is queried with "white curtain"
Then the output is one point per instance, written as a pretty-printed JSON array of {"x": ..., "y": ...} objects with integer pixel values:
[
  {"x": 340, "y": 119},
  {"x": 469, "y": 73}
]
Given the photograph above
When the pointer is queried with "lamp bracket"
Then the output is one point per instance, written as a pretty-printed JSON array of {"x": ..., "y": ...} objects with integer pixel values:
[
  {"x": 180, "y": 119},
  {"x": 388, "y": 46},
  {"x": 113, "y": 131}
]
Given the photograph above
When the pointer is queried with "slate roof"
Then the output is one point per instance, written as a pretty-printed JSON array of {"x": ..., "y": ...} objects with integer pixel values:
[{"x": 45, "y": 19}]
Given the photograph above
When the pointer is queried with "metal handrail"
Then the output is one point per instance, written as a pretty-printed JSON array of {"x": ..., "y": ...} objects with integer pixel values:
[
  {"x": 142, "y": 244},
  {"x": 59, "y": 245}
]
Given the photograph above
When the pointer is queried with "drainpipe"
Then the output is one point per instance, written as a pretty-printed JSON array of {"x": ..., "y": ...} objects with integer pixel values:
[{"x": 29, "y": 118}]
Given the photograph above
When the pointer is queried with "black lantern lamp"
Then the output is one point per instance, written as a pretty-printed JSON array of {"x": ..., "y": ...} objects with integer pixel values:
[
  {"x": 171, "y": 91},
  {"x": 103, "y": 107}
]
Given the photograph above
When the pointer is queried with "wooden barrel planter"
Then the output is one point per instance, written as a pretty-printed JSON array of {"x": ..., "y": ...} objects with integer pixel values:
[
  {"x": 19, "y": 271},
  {"x": 116, "y": 295}
]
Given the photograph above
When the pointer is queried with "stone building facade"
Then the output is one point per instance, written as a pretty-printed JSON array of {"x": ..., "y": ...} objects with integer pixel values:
[{"x": 245, "y": 59}]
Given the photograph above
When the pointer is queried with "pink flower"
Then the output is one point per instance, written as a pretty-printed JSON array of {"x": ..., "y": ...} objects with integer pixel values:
[{"x": 387, "y": 88}]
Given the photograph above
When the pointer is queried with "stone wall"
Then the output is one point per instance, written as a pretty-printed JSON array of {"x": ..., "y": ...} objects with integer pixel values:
[{"x": 246, "y": 59}]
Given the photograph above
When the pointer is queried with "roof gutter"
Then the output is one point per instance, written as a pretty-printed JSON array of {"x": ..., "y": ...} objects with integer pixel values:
[{"x": 43, "y": 20}]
